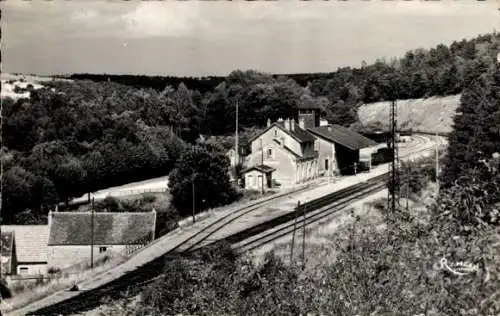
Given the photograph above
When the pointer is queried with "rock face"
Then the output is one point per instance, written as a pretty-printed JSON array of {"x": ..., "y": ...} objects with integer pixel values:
[{"x": 426, "y": 115}]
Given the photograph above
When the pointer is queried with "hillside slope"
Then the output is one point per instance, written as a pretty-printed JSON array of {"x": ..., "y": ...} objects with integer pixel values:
[{"x": 433, "y": 114}]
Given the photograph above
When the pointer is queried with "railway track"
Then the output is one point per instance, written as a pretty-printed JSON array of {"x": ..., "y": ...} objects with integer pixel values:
[
  {"x": 134, "y": 281},
  {"x": 312, "y": 216}
]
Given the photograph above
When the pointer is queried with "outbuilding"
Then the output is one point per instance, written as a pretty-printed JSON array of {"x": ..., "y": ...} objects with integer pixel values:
[
  {"x": 75, "y": 237},
  {"x": 28, "y": 253},
  {"x": 339, "y": 149},
  {"x": 258, "y": 177}
]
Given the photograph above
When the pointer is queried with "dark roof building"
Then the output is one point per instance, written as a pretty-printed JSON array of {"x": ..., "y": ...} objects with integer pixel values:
[
  {"x": 75, "y": 228},
  {"x": 343, "y": 136}
]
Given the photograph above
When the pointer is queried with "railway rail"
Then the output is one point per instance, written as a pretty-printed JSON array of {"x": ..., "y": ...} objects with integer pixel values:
[
  {"x": 313, "y": 215},
  {"x": 247, "y": 239}
]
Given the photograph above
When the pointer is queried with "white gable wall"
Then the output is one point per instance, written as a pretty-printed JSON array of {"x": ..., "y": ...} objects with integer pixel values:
[
  {"x": 326, "y": 154},
  {"x": 282, "y": 161},
  {"x": 276, "y": 133}
]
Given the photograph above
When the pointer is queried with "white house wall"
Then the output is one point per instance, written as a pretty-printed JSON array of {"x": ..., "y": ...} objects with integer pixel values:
[
  {"x": 253, "y": 180},
  {"x": 65, "y": 256},
  {"x": 283, "y": 162},
  {"x": 31, "y": 268},
  {"x": 326, "y": 150}
]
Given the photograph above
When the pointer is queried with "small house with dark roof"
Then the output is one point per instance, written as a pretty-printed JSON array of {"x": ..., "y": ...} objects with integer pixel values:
[
  {"x": 286, "y": 146},
  {"x": 29, "y": 248},
  {"x": 339, "y": 149},
  {"x": 71, "y": 234},
  {"x": 258, "y": 177}
]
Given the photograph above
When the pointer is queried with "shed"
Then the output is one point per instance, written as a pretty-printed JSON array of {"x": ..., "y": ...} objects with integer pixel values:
[
  {"x": 258, "y": 177},
  {"x": 71, "y": 234},
  {"x": 346, "y": 146},
  {"x": 29, "y": 248}
]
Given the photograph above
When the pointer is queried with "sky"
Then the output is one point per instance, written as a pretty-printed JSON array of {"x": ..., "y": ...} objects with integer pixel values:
[{"x": 198, "y": 38}]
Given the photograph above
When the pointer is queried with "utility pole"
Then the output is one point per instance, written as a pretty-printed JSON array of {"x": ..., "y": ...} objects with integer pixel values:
[
  {"x": 304, "y": 238},
  {"x": 394, "y": 189},
  {"x": 92, "y": 237},
  {"x": 236, "y": 147},
  {"x": 437, "y": 166},
  {"x": 192, "y": 187},
  {"x": 294, "y": 229},
  {"x": 262, "y": 163}
]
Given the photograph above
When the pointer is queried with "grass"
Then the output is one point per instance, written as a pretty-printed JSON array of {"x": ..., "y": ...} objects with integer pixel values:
[
  {"x": 319, "y": 250},
  {"x": 32, "y": 291}
]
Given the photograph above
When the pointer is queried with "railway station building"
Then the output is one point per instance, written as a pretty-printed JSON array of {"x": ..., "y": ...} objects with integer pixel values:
[
  {"x": 302, "y": 150},
  {"x": 287, "y": 147}
]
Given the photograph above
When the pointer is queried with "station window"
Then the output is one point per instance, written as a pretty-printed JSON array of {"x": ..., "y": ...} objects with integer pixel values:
[
  {"x": 102, "y": 249},
  {"x": 23, "y": 270},
  {"x": 269, "y": 153}
]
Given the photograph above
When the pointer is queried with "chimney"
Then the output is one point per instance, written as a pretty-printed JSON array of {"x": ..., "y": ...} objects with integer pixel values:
[
  {"x": 329, "y": 128},
  {"x": 302, "y": 123},
  {"x": 268, "y": 122},
  {"x": 280, "y": 120},
  {"x": 292, "y": 124},
  {"x": 287, "y": 124}
]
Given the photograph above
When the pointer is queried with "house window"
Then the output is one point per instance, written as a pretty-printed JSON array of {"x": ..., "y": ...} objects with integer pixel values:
[
  {"x": 102, "y": 249},
  {"x": 23, "y": 270},
  {"x": 269, "y": 153},
  {"x": 275, "y": 133},
  {"x": 326, "y": 164}
]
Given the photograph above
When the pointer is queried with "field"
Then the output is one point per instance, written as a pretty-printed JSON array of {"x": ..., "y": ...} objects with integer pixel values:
[{"x": 425, "y": 115}]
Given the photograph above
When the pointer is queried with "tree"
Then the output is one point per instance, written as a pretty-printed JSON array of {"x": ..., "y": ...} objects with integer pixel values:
[
  {"x": 17, "y": 195},
  {"x": 208, "y": 166},
  {"x": 69, "y": 179},
  {"x": 475, "y": 136}
]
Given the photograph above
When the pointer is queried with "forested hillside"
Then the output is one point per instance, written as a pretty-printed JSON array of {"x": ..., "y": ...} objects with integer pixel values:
[{"x": 71, "y": 138}]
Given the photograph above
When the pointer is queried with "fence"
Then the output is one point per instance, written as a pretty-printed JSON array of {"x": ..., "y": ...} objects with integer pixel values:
[
  {"x": 102, "y": 196},
  {"x": 137, "y": 244}
]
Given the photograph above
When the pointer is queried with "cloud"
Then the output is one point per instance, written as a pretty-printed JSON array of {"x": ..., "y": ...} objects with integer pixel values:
[{"x": 160, "y": 19}]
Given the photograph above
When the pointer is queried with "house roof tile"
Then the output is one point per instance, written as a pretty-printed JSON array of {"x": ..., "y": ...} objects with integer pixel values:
[
  {"x": 30, "y": 241},
  {"x": 302, "y": 136},
  {"x": 74, "y": 228},
  {"x": 343, "y": 136}
]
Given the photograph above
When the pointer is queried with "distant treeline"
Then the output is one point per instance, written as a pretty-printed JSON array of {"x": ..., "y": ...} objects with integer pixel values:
[{"x": 201, "y": 84}]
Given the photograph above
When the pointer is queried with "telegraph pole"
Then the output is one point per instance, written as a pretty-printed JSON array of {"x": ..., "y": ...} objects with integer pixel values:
[
  {"x": 437, "y": 166},
  {"x": 304, "y": 238},
  {"x": 192, "y": 187},
  {"x": 393, "y": 196},
  {"x": 262, "y": 163},
  {"x": 294, "y": 229},
  {"x": 92, "y": 237},
  {"x": 236, "y": 147}
]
